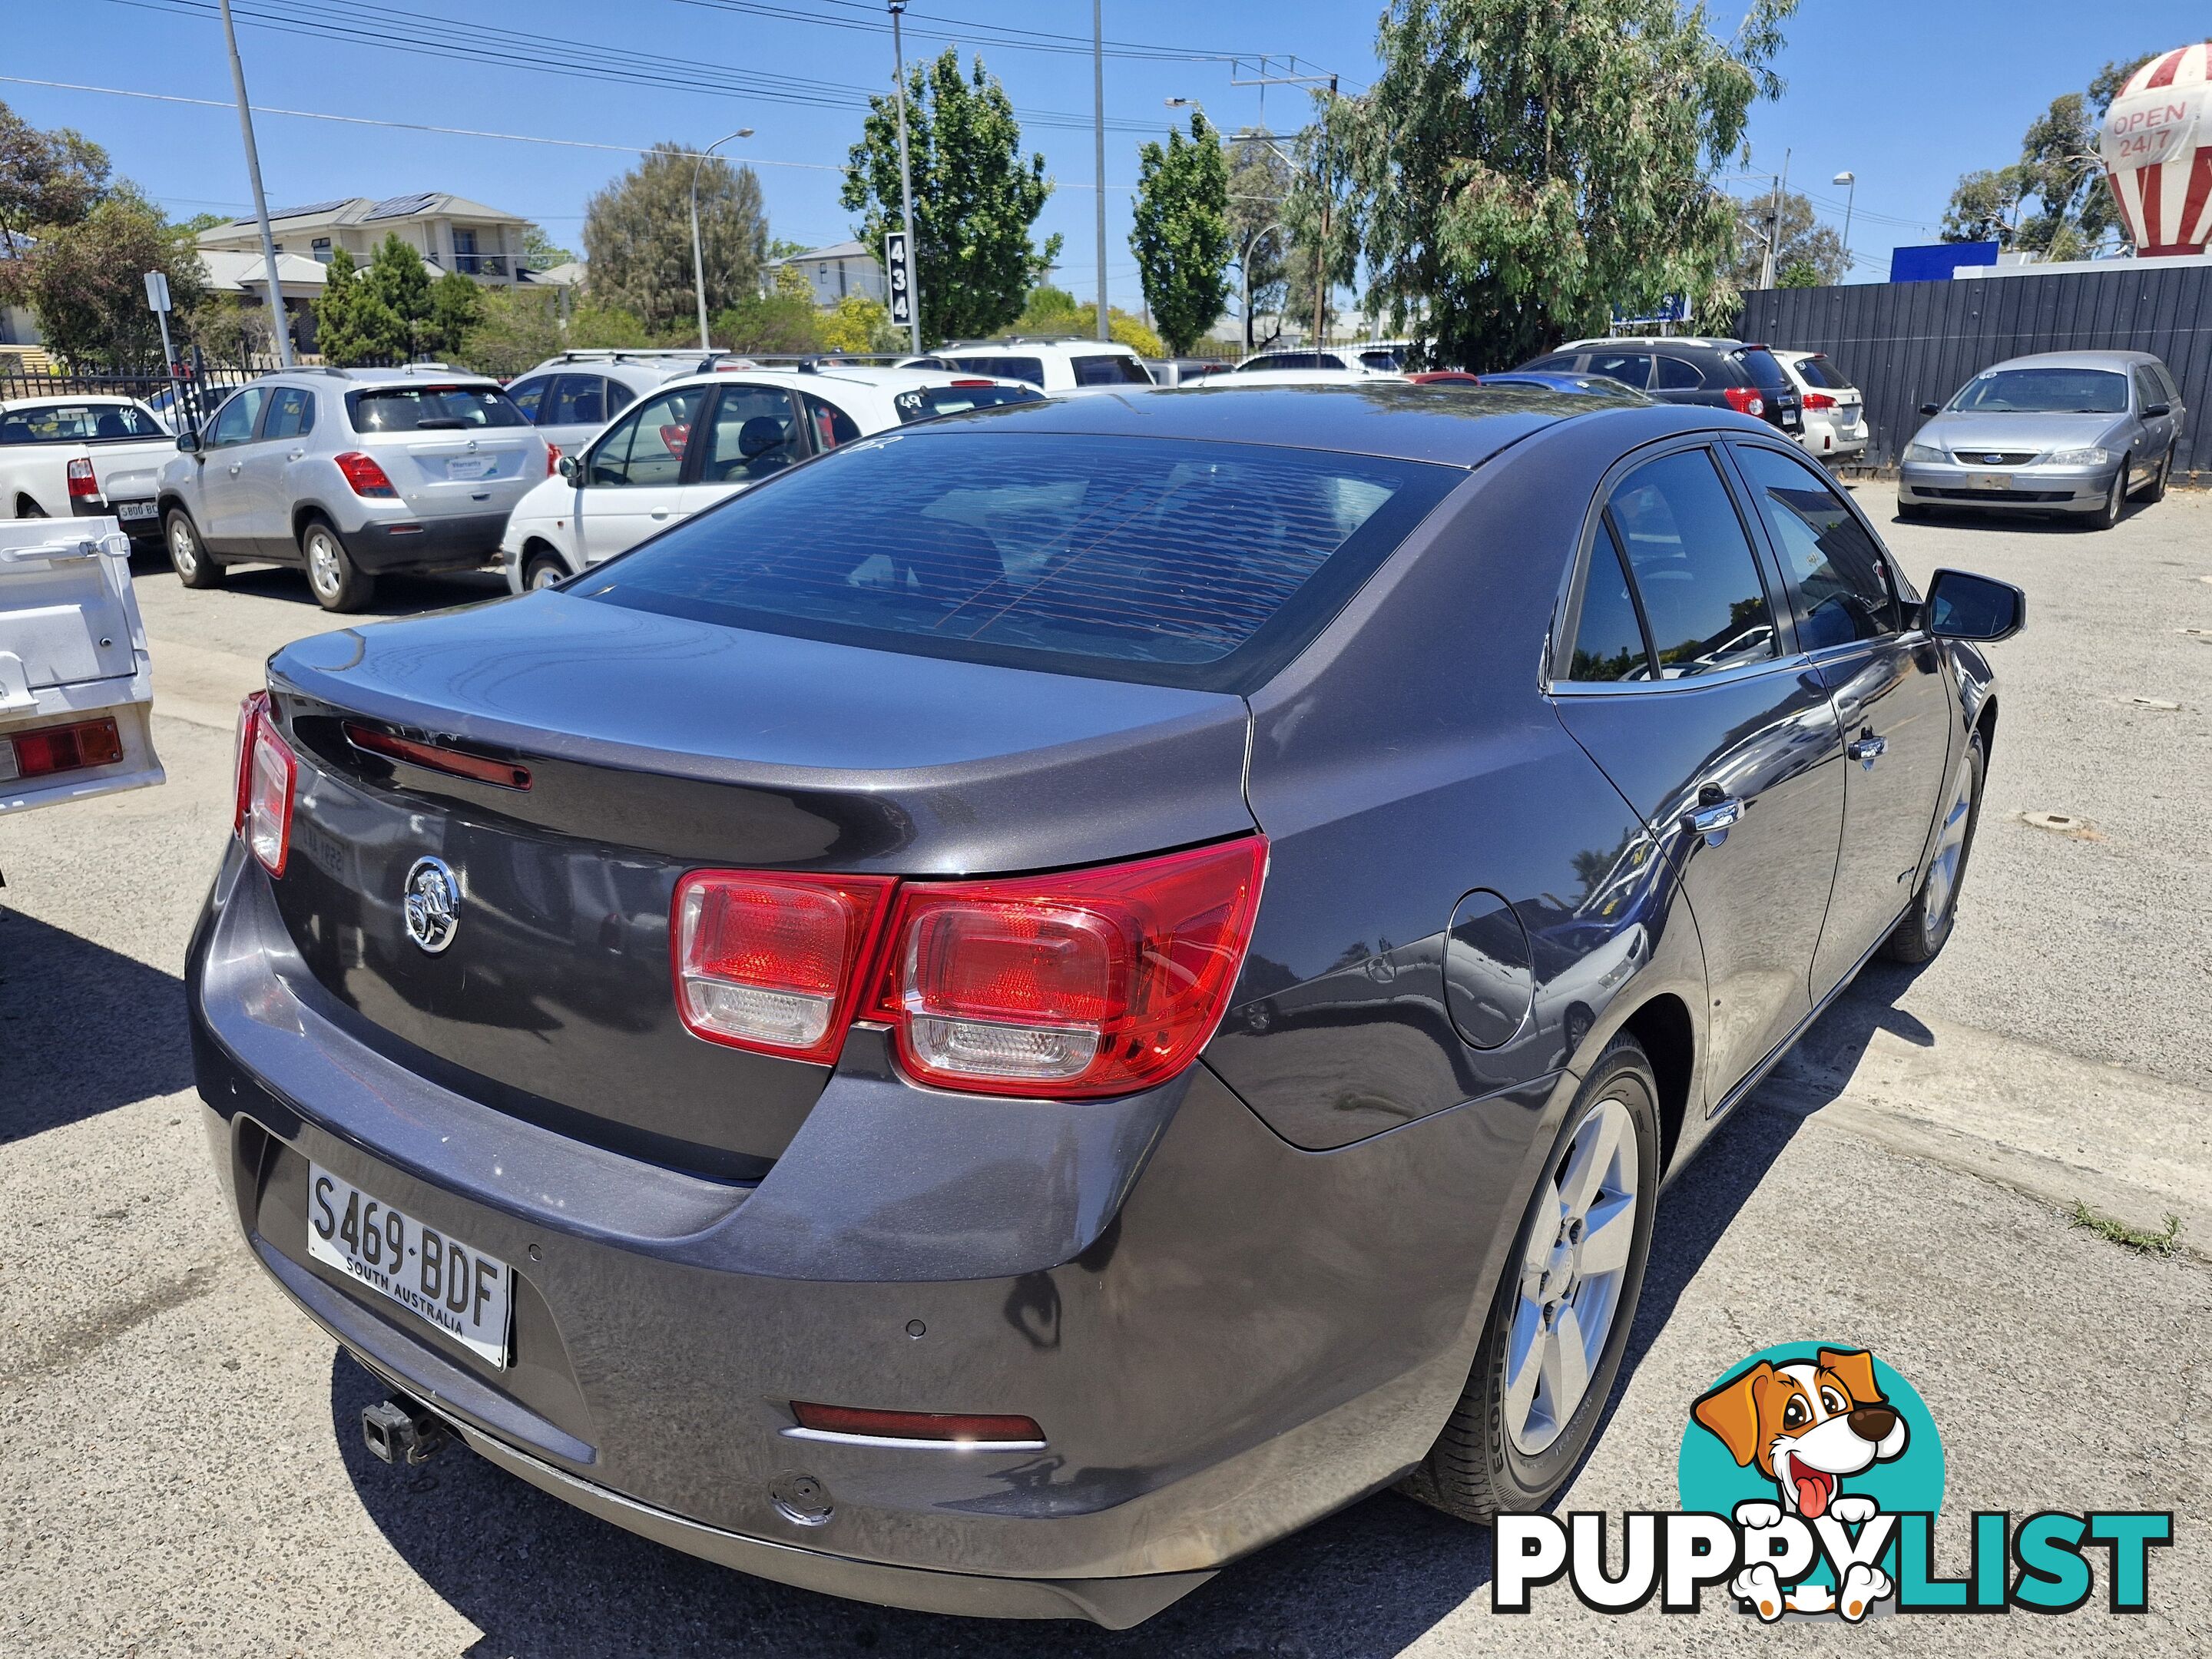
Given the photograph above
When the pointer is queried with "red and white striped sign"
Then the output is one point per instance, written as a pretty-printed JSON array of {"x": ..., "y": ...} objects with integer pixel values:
[{"x": 2158, "y": 165}]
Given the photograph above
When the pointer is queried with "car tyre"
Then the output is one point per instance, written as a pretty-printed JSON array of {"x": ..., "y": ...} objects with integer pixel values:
[
  {"x": 544, "y": 571},
  {"x": 188, "y": 555},
  {"x": 338, "y": 583},
  {"x": 1935, "y": 910},
  {"x": 2156, "y": 489},
  {"x": 28, "y": 508},
  {"x": 2116, "y": 501},
  {"x": 1504, "y": 1450}
]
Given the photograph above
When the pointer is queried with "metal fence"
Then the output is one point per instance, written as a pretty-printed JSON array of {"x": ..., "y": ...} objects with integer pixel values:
[
  {"x": 1908, "y": 343},
  {"x": 183, "y": 399}
]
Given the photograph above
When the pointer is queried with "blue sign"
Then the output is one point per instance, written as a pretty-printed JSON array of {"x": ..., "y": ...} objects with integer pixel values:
[{"x": 1936, "y": 261}]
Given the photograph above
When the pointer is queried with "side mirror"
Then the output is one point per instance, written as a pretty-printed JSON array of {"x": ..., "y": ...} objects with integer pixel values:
[
  {"x": 1961, "y": 605},
  {"x": 189, "y": 442},
  {"x": 2156, "y": 409},
  {"x": 572, "y": 468},
  {"x": 1930, "y": 409}
]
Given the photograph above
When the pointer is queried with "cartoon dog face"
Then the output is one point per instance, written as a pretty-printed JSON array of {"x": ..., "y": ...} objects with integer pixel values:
[{"x": 1806, "y": 1426}]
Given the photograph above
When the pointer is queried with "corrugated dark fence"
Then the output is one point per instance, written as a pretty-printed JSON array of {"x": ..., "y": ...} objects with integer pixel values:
[{"x": 1908, "y": 343}]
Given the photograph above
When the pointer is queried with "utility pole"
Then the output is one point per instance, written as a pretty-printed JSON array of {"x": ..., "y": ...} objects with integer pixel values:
[
  {"x": 280, "y": 324},
  {"x": 1766, "y": 272},
  {"x": 905, "y": 185},
  {"x": 1321, "y": 250},
  {"x": 698, "y": 258},
  {"x": 1098, "y": 129}
]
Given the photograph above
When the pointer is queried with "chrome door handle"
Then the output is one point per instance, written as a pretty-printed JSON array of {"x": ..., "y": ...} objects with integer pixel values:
[
  {"x": 295, "y": 455},
  {"x": 1868, "y": 749},
  {"x": 662, "y": 513},
  {"x": 235, "y": 466},
  {"x": 1717, "y": 818}
]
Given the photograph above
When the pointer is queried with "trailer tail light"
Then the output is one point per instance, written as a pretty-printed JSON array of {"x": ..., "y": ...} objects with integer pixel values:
[
  {"x": 364, "y": 476},
  {"x": 54, "y": 748},
  {"x": 1744, "y": 400},
  {"x": 266, "y": 774},
  {"x": 772, "y": 961},
  {"x": 84, "y": 483},
  {"x": 1098, "y": 982}
]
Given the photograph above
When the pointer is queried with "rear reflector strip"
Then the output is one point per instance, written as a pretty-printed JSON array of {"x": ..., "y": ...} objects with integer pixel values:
[
  {"x": 504, "y": 774},
  {"x": 919, "y": 1428},
  {"x": 59, "y": 749}
]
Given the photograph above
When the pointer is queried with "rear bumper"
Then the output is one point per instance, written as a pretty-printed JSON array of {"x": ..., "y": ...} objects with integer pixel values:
[
  {"x": 460, "y": 543},
  {"x": 1223, "y": 1337},
  {"x": 145, "y": 529}
]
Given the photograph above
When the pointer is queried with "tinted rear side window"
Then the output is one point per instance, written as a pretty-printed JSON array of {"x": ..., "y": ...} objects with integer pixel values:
[
  {"x": 432, "y": 409},
  {"x": 925, "y": 403},
  {"x": 1109, "y": 370},
  {"x": 1608, "y": 637},
  {"x": 1012, "y": 369},
  {"x": 1204, "y": 565},
  {"x": 1693, "y": 567},
  {"x": 1764, "y": 370}
]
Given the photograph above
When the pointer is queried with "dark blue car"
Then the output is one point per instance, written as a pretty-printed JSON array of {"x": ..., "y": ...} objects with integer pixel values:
[{"x": 1045, "y": 998}]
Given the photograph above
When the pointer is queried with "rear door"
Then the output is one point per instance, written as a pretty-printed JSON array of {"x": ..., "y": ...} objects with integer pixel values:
[
  {"x": 1893, "y": 704},
  {"x": 1673, "y": 673},
  {"x": 1678, "y": 380},
  {"x": 633, "y": 475},
  {"x": 1629, "y": 367}
]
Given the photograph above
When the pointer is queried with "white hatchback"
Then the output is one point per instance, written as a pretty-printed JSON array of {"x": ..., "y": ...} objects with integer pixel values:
[
  {"x": 697, "y": 441},
  {"x": 1835, "y": 412}
]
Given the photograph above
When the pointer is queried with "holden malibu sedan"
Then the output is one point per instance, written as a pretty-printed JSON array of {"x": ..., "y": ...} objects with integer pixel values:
[{"x": 1001, "y": 1057}]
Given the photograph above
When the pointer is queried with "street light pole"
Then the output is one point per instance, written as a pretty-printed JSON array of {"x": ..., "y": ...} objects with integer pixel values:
[
  {"x": 1850, "y": 179},
  {"x": 1321, "y": 250},
  {"x": 281, "y": 326},
  {"x": 906, "y": 184},
  {"x": 698, "y": 257},
  {"x": 1098, "y": 129}
]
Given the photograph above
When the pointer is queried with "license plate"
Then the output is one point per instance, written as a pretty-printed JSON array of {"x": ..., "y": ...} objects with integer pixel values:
[
  {"x": 1989, "y": 480},
  {"x": 471, "y": 467},
  {"x": 1788, "y": 417},
  {"x": 456, "y": 1287},
  {"x": 134, "y": 509}
]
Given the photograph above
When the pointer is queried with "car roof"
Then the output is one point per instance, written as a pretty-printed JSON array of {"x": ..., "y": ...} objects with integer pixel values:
[
  {"x": 411, "y": 375},
  {"x": 879, "y": 379},
  {"x": 1025, "y": 345},
  {"x": 62, "y": 400},
  {"x": 1450, "y": 425},
  {"x": 2074, "y": 360}
]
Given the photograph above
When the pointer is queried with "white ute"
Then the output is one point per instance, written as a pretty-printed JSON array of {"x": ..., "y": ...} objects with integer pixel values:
[
  {"x": 88, "y": 457},
  {"x": 77, "y": 688}
]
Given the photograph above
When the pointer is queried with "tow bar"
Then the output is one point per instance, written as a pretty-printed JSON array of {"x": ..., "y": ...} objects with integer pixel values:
[{"x": 401, "y": 1431}]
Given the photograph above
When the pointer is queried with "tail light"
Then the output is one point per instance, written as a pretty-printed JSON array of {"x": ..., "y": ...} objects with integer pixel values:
[
  {"x": 552, "y": 458},
  {"x": 59, "y": 749},
  {"x": 266, "y": 773},
  {"x": 84, "y": 485},
  {"x": 771, "y": 961},
  {"x": 364, "y": 476},
  {"x": 1744, "y": 400},
  {"x": 1097, "y": 982},
  {"x": 1818, "y": 400}
]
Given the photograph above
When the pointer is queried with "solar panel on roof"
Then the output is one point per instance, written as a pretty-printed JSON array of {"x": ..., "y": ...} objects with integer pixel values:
[
  {"x": 398, "y": 207},
  {"x": 297, "y": 212}
]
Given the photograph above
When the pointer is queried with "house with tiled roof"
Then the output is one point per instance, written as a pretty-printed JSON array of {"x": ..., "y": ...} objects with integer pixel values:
[{"x": 450, "y": 232}]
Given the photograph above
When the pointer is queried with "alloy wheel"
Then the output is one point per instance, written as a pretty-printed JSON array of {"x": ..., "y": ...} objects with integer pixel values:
[
  {"x": 1572, "y": 1272},
  {"x": 184, "y": 550},
  {"x": 1944, "y": 869},
  {"x": 323, "y": 568}
]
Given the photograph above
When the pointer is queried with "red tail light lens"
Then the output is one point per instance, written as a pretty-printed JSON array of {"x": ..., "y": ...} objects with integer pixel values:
[
  {"x": 59, "y": 749},
  {"x": 1744, "y": 400},
  {"x": 83, "y": 484},
  {"x": 770, "y": 962},
  {"x": 1095, "y": 982},
  {"x": 266, "y": 773},
  {"x": 363, "y": 476},
  {"x": 1818, "y": 400}
]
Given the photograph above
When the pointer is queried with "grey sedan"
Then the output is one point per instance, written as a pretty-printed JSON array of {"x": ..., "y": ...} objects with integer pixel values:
[{"x": 2074, "y": 432}]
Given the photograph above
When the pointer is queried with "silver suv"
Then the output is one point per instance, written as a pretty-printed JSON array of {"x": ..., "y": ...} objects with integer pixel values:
[{"x": 350, "y": 472}]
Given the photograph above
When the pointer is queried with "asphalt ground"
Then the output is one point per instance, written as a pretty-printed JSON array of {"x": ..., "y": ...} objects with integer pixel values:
[{"x": 180, "y": 1463}]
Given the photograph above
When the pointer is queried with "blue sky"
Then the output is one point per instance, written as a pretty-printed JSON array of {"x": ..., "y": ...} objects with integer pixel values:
[{"x": 1906, "y": 95}]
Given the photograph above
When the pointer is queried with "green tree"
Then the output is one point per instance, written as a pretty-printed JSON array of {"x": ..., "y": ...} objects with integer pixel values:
[
  {"x": 86, "y": 281},
  {"x": 1520, "y": 167},
  {"x": 48, "y": 179},
  {"x": 2058, "y": 171},
  {"x": 518, "y": 328},
  {"x": 357, "y": 318},
  {"x": 541, "y": 253},
  {"x": 1799, "y": 273},
  {"x": 1801, "y": 240},
  {"x": 456, "y": 307},
  {"x": 1055, "y": 311},
  {"x": 398, "y": 280},
  {"x": 778, "y": 322},
  {"x": 859, "y": 324},
  {"x": 975, "y": 200},
  {"x": 1323, "y": 255},
  {"x": 1181, "y": 233},
  {"x": 1258, "y": 188},
  {"x": 637, "y": 237}
]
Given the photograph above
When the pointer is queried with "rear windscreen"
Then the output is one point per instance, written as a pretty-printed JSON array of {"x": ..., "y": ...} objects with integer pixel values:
[
  {"x": 927, "y": 402},
  {"x": 1109, "y": 369},
  {"x": 1012, "y": 369},
  {"x": 1820, "y": 372},
  {"x": 432, "y": 409},
  {"x": 1177, "y": 563},
  {"x": 78, "y": 424}
]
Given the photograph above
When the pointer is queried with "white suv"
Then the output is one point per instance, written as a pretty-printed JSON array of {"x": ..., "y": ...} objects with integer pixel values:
[
  {"x": 568, "y": 398},
  {"x": 700, "y": 439},
  {"x": 1059, "y": 364},
  {"x": 1835, "y": 411}
]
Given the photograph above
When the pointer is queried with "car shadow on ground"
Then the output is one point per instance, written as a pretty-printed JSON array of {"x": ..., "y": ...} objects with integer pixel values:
[
  {"x": 541, "y": 1579},
  {"x": 396, "y": 595},
  {"x": 2015, "y": 523},
  {"x": 60, "y": 999}
]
